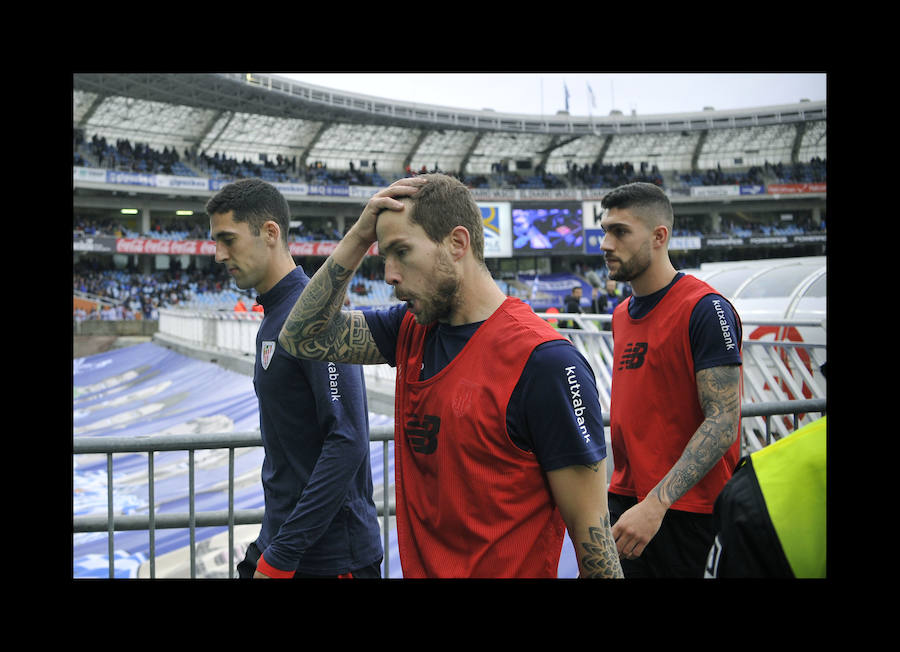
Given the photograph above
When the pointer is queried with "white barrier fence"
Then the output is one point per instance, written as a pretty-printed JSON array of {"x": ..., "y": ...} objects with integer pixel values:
[{"x": 782, "y": 358}]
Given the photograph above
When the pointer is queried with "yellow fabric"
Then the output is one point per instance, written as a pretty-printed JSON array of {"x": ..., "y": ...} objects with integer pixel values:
[{"x": 792, "y": 477}]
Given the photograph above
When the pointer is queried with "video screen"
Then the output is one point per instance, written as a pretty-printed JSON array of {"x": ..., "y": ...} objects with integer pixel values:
[{"x": 548, "y": 229}]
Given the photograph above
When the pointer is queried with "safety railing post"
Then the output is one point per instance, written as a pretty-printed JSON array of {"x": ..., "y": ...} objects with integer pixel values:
[
  {"x": 109, "y": 515},
  {"x": 192, "y": 517},
  {"x": 230, "y": 509},
  {"x": 152, "y": 512}
]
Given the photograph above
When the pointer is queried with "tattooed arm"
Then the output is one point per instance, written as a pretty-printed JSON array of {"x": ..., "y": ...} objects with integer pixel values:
[
  {"x": 718, "y": 390},
  {"x": 316, "y": 327},
  {"x": 580, "y": 493}
]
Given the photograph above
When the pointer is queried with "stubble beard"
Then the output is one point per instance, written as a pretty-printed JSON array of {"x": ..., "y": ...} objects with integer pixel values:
[{"x": 634, "y": 267}]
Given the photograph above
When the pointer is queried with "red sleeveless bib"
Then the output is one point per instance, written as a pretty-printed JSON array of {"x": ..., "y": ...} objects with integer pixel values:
[
  {"x": 470, "y": 503},
  {"x": 654, "y": 407}
]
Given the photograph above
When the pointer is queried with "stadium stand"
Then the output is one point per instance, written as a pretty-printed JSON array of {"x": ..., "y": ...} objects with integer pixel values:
[{"x": 745, "y": 184}]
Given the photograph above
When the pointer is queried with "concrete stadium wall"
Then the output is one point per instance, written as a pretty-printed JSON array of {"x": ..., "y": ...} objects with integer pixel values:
[{"x": 98, "y": 327}]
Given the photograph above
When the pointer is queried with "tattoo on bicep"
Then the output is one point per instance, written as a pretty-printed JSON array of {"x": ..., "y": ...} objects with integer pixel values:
[{"x": 600, "y": 557}]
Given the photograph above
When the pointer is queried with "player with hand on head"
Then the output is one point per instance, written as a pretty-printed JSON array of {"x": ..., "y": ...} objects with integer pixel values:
[{"x": 499, "y": 443}]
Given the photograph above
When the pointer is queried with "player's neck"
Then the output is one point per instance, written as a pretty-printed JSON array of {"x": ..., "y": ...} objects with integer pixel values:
[
  {"x": 654, "y": 278},
  {"x": 479, "y": 297}
]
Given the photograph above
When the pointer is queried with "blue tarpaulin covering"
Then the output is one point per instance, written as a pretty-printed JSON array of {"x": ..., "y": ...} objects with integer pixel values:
[{"x": 147, "y": 389}]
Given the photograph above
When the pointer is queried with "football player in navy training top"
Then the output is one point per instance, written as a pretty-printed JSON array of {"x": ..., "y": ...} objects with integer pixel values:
[
  {"x": 499, "y": 444},
  {"x": 320, "y": 518}
]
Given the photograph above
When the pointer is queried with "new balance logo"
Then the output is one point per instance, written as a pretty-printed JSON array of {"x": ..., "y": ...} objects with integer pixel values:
[
  {"x": 633, "y": 357},
  {"x": 422, "y": 435}
]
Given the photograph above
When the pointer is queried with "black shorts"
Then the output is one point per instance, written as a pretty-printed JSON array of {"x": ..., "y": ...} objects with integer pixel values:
[
  {"x": 247, "y": 567},
  {"x": 679, "y": 549}
]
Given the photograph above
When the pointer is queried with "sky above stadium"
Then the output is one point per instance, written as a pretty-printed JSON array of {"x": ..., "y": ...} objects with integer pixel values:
[{"x": 545, "y": 93}]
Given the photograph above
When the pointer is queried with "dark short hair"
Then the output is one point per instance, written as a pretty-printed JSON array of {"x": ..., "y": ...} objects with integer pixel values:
[
  {"x": 444, "y": 203},
  {"x": 253, "y": 201},
  {"x": 647, "y": 200}
]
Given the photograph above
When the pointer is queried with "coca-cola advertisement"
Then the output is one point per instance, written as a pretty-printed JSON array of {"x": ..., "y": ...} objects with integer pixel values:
[
  {"x": 171, "y": 247},
  {"x": 189, "y": 247},
  {"x": 795, "y": 188},
  {"x": 208, "y": 247}
]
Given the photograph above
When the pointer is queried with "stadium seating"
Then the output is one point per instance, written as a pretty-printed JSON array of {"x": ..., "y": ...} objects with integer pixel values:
[{"x": 746, "y": 155}]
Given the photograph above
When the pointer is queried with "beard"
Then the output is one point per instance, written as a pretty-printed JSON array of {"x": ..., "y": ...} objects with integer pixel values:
[
  {"x": 634, "y": 266},
  {"x": 438, "y": 301},
  {"x": 441, "y": 303}
]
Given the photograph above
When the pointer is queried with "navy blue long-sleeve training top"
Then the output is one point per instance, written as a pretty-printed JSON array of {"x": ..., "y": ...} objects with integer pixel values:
[{"x": 320, "y": 516}]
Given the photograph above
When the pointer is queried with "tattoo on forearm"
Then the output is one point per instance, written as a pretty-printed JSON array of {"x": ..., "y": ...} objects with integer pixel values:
[
  {"x": 600, "y": 557},
  {"x": 720, "y": 401},
  {"x": 316, "y": 327}
]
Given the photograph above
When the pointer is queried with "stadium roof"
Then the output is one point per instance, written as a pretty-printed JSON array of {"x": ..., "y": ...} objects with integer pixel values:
[{"x": 198, "y": 106}]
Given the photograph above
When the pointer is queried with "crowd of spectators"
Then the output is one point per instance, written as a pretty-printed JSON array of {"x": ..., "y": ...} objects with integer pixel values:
[
  {"x": 126, "y": 294},
  {"x": 177, "y": 229},
  {"x": 131, "y": 294},
  {"x": 325, "y": 230},
  {"x": 469, "y": 180},
  {"x": 90, "y": 227},
  {"x": 540, "y": 178},
  {"x": 278, "y": 169},
  {"x": 318, "y": 173},
  {"x": 812, "y": 172},
  {"x": 315, "y": 230},
  {"x": 600, "y": 175},
  {"x": 754, "y": 176},
  {"x": 127, "y": 156},
  {"x": 139, "y": 157}
]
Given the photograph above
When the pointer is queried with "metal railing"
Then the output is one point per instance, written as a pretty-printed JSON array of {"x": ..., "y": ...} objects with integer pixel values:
[
  {"x": 774, "y": 370},
  {"x": 231, "y": 517}
]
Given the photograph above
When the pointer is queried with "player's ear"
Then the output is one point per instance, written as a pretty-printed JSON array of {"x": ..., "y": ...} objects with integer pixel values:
[
  {"x": 661, "y": 236},
  {"x": 271, "y": 231},
  {"x": 458, "y": 242}
]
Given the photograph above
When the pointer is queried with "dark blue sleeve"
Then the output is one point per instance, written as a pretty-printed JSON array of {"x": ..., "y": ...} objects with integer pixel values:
[
  {"x": 385, "y": 326},
  {"x": 340, "y": 409},
  {"x": 715, "y": 333},
  {"x": 555, "y": 411}
]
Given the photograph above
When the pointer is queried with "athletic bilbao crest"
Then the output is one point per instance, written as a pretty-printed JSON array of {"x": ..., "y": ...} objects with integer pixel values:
[
  {"x": 268, "y": 349},
  {"x": 462, "y": 400}
]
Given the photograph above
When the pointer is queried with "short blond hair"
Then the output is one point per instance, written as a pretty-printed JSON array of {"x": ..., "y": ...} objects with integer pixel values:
[{"x": 444, "y": 203}]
